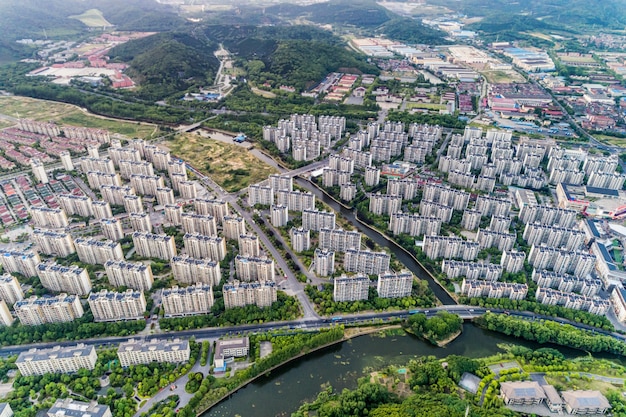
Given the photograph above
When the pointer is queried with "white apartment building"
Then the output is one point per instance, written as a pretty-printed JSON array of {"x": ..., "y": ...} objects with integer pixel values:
[
  {"x": 315, "y": 220},
  {"x": 432, "y": 209},
  {"x": 174, "y": 214},
  {"x": 133, "y": 204},
  {"x": 234, "y": 226},
  {"x": 280, "y": 215},
  {"x": 80, "y": 205},
  {"x": 366, "y": 262},
  {"x": 164, "y": 196},
  {"x": 577, "y": 263},
  {"x": 618, "y": 301},
  {"x": 281, "y": 182},
  {"x": 239, "y": 294},
  {"x": 593, "y": 305},
  {"x": 23, "y": 262},
  {"x": 260, "y": 194},
  {"x": 338, "y": 240},
  {"x": 351, "y": 288},
  {"x": 203, "y": 224},
  {"x": 489, "y": 239},
  {"x": 128, "y": 168},
  {"x": 97, "y": 179},
  {"x": 191, "y": 300},
  {"x": 471, "y": 270},
  {"x": 492, "y": 206},
  {"x": 112, "y": 229},
  {"x": 124, "y": 154},
  {"x": 300, "y": 239},
  {"x": 471, "y": 219},
  {"x": 513, "y": 261},
  {"x": 347, "y": 191},
  {"x": 101, "y": 209},
  {"x": 372, "y": 176},
  {"x": 96, "y": 164},
  {"x": 254, "y": 269},
  {"x": 391, "y": 285},
  {"x": 414, "y": 224},
  {"x": 92, "y": 251},
  {"x": 381, "y": 204},
  {"x": 57, "y": 360},
  {"x": 147, "y": 184},
  {"x": 554, "y": 236},
  {"x": 187, "y": 190},
  {"x": 552, "y": 216},
  {"x": 151, "y": 245},
  {"x": 61, "y": 308},
  {"x": 295, "y": 200},
  {"x": 191, "y": 270},
  {"x": 137, "y": 352},
  {"x": 115, "y": 306},
  {"x": 59, "y": 278},
  {"x": 324, "y": 260},
  {"x": 214, "y": 207},
  {"x": 54, "y": 243},
  {"x": 43, "y": 216},
  {"x": 201, "y": 246},
  {"x": 612, "y": 181},
  {"x": 135, "y": 275},
  {"x": 447, "y": 196},
  {"x": 39, "y": 170},
  {"x": 6, "y": 318},
  {"x": 249, "y": 245},
  {"x": 493, "y": 289},
  {"x": 68, "y": 165},
  {"x": 449, "y": 247},
  {"x": 140, "y": 222},
  {"x": 114, "y": 194},
  {"x": 10, "y": 289}
]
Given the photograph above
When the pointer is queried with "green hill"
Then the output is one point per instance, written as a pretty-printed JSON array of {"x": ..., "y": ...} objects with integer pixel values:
[
  {"x": 28, "y": 19},
  {"x": 166, "y": 64},
  {"x": 412, "y": 31},
  {"x": 361, "y": 13},
  {"x": 299, "y": 56},
  {"x": 567, "y": 14}
]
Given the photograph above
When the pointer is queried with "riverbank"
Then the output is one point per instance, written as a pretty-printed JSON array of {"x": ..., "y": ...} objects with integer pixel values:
[
  {"x": 243, "y": 384},
  {"x": 431, "y": 278}
]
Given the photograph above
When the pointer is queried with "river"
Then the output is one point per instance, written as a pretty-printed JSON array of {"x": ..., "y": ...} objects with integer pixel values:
[
  {"x": 402, "y": 256},
  {"x": 284, "y": 390}
]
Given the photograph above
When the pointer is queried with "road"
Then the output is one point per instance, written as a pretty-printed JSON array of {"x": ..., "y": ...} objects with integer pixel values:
[
  {"x": 465, "y": 312},
  {"x": 292, "y": 286}
]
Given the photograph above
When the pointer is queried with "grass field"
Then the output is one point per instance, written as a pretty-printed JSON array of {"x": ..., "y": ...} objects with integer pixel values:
[
  {"x": 503, "y": 77},
  {"x": 29, "y": 108},
  {"x": 611, "y": 140},
  {"x": 430, "y": 106},
  {"x": 263, "y": 93},
  {"x": 229, "y": 165},
  {"x": 92, "y": 18},
  {"x": 580, "y": 383}
]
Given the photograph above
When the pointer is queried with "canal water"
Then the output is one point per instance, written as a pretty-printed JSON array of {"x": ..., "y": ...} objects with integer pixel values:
[
  {"x": 402, "y": 256},
  {"x": 285, "y": 389}
]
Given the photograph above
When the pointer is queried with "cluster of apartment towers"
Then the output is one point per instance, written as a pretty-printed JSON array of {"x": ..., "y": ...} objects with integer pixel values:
[
  {"x": 561, "y": 263},
  {"x": 278, "y": 193},
  {"x": 198, "y": 266}
]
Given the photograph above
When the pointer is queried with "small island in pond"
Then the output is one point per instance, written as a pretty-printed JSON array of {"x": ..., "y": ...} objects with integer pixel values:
[{"x": 439, "y": 330}]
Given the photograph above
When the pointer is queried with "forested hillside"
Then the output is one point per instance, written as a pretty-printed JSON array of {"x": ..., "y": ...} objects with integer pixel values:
[
  {"x": 168, "y": 63},
  {"x": 298, "y": 56},
  {"x": 568, "y": 14}
]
